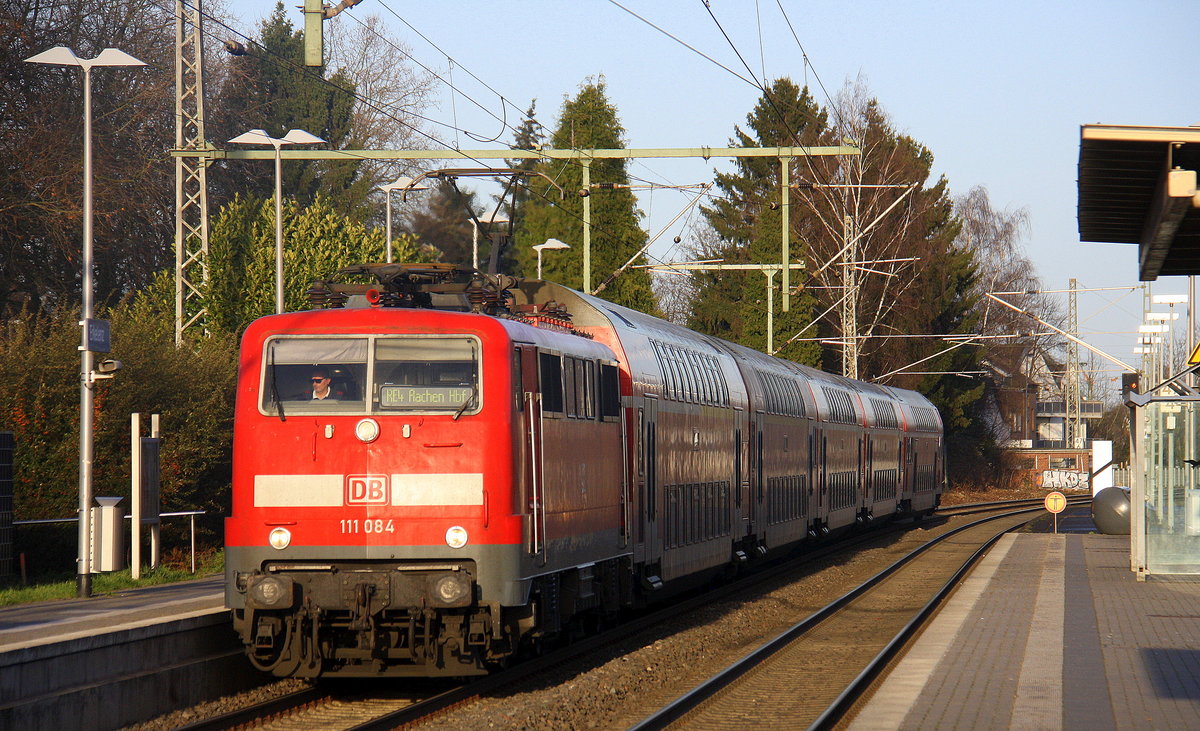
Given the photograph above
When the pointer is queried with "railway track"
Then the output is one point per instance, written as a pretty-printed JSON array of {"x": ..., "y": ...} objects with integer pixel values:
[
  {"x": 325, "y": 706},
  {"x": 976, "y": 508},
  {"x": 811, "y": 674}
]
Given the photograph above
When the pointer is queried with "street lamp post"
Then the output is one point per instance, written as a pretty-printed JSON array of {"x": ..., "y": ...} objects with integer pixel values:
[
  {"x": 293, "y": 137},
  {"x": 63, "y": 56},
  {"x": 404, "y": 184},
  {"x": 550, "y": 244}
]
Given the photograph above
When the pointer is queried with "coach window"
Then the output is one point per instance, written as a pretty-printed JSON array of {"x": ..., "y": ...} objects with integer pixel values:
[
  {"x": 589, "y": 391},
  {"x": 610, "y": 392},
  {"x": 687, "y": 388},
  {"x": 693, "y": 389},
  {"x": 709, "y": 366},
  {"x": 426, "y": 374},
  {"x": 697, "y": 380},
  {"x": 550, "y": 376},
  {"x": 672, "y": 389},
  {"x": 294, "y": 368},
  {"x": 570, "y": 390},
  {"x": 518, "y": 388}
]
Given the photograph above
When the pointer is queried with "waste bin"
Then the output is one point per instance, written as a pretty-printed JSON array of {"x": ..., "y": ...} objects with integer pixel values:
[{"x": 108, "y": 535}]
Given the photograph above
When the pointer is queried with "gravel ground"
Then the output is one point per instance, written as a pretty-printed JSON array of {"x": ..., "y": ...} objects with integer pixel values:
[
  {"x": 221, "y": 706},
  {"x": 643, "y": 672},
  {"x": 617, "y": 687}
]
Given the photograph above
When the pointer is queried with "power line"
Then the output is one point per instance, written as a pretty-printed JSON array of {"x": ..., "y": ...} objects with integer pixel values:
[
  {"x": 808, "y": 64},
  {"x": 450, "y": 83}
]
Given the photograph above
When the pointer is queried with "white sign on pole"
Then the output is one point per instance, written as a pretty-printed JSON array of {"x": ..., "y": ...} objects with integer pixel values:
[{"x": 1101, "y": 465}]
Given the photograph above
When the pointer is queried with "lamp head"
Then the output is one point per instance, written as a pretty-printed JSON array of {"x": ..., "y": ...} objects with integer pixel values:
[
  {"x": 63, "y": 56},
  {"x": 404, "y": 184},
  {"x": 254, "y": 137},
  {"x": 300, "y": 137},
  {"x": 552, "y": 244}
]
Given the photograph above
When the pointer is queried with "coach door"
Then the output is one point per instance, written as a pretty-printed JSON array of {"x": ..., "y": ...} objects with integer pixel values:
[
  {"x": 741, "y": 477},
  {"x": 758, "y": 486},
  {"x": 648, "y": 487},
  {"x": 864, "y": 471}
]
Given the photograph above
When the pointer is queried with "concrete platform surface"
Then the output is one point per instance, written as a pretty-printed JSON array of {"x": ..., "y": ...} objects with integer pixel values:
[
  {"x": 29, "y": 625},
  {"x": 1052, "y": 632}
]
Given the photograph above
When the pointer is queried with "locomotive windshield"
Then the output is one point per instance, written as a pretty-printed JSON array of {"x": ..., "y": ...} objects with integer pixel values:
[
  {"x": 372, "y": 374},
  {"x": 425, "y": 374}
]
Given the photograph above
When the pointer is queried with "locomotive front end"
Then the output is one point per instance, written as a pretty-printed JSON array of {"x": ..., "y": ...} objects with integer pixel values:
[{"x": 372, "y": 530}]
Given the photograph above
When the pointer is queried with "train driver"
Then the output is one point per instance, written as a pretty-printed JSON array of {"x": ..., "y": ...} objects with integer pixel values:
[{"x": 321, "y": 383}]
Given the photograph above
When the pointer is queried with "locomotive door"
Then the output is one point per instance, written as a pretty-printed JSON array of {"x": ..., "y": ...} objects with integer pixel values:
[
  {"x": 648, "y": 478},
  {"x": 533, "y": 467}
]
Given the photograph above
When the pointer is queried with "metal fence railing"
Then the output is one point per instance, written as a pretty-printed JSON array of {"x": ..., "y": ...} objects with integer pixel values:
[{"x": 191, "y": 514}]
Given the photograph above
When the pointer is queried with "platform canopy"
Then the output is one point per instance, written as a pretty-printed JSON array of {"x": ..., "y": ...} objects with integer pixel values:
[{"x": 1137, "y": 185}]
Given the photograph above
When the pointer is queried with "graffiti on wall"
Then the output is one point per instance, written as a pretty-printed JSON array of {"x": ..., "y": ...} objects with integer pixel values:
[{"x": 1056, "y": 479}]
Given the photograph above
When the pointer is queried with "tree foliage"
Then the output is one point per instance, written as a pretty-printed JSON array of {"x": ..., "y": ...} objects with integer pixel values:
[
  {"x": 318, "y": 241},
  {"x": 878, "y": 213},
  {"x": 748, "y": 221},
  {"x": 530, "y": 135},
  {"x": 191, "y": 387},
  {"x": 1114, "y": 426},
  {"x": 270, "y": 88},
  {"x": 994, "y": 239},
  {"x": 134, "y": 126},
  {"x": 442, "y": 222},
  {"x": 587, "y": 121}
]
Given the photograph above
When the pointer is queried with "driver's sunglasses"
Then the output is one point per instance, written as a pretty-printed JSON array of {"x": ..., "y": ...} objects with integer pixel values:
[{"x": 318, "y": 379}]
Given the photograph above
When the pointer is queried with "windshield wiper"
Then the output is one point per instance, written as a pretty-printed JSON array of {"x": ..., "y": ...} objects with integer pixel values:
[
  {"x": 275, "y": 388},
  {"x": 468, "y": 402}
]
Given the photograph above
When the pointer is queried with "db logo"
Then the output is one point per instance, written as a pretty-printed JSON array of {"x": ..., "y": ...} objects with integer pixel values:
[{"x": 366, "y": 490}]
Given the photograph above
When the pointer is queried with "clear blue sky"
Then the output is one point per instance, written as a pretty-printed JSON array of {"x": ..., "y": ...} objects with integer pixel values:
[{"x": 997, "y": 90}]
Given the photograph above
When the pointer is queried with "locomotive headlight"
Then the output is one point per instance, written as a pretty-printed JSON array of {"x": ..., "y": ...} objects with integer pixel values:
[
  {"x": 456, "y": 536},
  {"x": 452, "y": 590},
  {"x": 280, "y": 538},
  {"x": 367, "y": 430},
  {"x": 270, "y": 592}
]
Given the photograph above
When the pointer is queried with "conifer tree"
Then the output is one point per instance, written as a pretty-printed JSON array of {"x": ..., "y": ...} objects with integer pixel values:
[
  {"x": 270, "y": 88},
  {"x": 528, "y": 136},
  {"x": 442, "y": 221},
  {"x": 587, "y": 121},
  {"x": 748, "y": 223}
]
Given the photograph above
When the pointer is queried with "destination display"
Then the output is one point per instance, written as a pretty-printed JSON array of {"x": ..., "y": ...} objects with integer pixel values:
[{"x": 423, "y": 397}]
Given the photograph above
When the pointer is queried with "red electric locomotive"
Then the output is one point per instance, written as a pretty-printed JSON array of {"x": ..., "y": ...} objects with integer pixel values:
[{"x": 442, "y": 466}]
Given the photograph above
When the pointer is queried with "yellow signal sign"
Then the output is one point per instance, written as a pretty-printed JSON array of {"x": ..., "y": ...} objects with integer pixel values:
[{"x": 1056, "y": 502}]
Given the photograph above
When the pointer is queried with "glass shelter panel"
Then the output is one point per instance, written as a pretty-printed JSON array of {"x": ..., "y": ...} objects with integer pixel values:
[{"x": 1170, "y": 443}]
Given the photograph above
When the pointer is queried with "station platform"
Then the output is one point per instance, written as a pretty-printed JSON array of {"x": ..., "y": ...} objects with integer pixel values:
[
  {"x": 1052, "y": 631},
  {"x": 110, "y": 661},
  {"x": 29, "y": 625}
]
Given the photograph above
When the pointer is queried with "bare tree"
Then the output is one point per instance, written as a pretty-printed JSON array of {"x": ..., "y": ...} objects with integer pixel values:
[
  {"x": 994, "y": 237},
  {"x": 392, "y": 91},
  {"x": 878, "y": 216},
  {"x": 41, "y": 145}
]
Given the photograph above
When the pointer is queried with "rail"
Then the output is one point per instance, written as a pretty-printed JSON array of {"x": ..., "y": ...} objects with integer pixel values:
[
  {"x": 425, "y": 709},
  {"x": 692, "y": 699}
]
